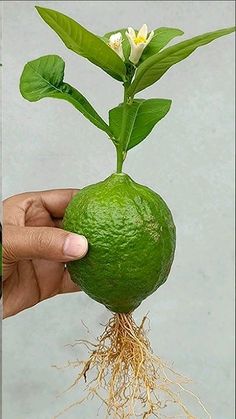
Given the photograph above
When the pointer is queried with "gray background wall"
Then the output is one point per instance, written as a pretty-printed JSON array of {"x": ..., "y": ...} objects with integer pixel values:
[{"x": 188, "y": 159}]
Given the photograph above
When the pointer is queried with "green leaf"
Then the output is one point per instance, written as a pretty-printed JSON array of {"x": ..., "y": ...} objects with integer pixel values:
[
  {"x": 162, "y": 36},
  {"x": 143, "y": 115},
  {"x": 43, "y": 78},
  {"x": 115, "y": 120},
  {"x": 154, "y": 67},
  {"x": 84, "y": 43}
]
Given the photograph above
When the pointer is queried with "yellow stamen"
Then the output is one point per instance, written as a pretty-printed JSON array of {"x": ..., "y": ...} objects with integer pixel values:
[
  {"x": 139, "y": 40},
  {"x": 114, "y": 44}
]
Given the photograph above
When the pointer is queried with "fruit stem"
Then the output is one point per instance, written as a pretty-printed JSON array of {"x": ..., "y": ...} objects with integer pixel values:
[{"x": 120, "y": 148}]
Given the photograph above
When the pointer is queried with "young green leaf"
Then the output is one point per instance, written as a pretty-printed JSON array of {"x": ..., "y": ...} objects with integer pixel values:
[
  {"x": 162, "y": 36},
  {"x": 154, "y": 67},
  {"x": 43, "y": 78},
  {"x": 84, "y": 43},
  {"x": 143, "y": 115},
  {"x": 115, "y": 120}
]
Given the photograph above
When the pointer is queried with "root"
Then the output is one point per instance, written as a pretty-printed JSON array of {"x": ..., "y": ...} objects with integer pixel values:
[{"x": 128, "y": 378}]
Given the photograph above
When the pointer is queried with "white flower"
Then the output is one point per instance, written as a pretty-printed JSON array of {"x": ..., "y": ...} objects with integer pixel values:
[
  {"x": 115, "y": 42},
  {"x": 138, "y": 42}
]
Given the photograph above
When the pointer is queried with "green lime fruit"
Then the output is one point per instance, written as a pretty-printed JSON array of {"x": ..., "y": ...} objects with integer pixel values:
[{"x": 131, "y": 236}]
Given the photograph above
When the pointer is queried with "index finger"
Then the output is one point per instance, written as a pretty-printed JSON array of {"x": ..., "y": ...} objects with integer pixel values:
[{"x": 55, "y": 201}]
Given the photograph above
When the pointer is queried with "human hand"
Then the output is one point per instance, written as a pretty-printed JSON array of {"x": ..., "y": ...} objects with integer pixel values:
[{"x": 35, "y": 249}]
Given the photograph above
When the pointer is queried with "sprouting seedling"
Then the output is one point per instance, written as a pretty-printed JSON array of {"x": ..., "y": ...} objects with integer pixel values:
[
  {"x": 129, "y": 227},
  {"x": 137, "y": 59}
]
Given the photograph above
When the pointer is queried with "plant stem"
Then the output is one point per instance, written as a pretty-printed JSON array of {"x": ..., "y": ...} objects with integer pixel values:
[
  {"x": 120, "y": 160},
  {"x": 121, "y": 142}
]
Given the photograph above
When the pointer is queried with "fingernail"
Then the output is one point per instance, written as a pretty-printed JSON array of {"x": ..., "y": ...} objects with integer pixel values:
[{"x": 75, "y": 246}]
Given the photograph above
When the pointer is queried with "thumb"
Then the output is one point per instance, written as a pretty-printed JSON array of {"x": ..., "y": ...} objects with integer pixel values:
[{"x": 42, "y": 243}]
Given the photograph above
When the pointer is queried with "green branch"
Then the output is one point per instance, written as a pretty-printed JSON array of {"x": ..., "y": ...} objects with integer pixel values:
[{"x": 121, "y": 141}]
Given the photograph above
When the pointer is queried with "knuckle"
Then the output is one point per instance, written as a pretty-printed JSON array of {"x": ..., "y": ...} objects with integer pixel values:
[
  {"x": 41, "y": 240},
  {"x": 8, "y": 252}
]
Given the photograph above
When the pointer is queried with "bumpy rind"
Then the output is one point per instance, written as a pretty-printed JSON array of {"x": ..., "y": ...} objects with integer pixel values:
[{"x": 131, "y": 237}]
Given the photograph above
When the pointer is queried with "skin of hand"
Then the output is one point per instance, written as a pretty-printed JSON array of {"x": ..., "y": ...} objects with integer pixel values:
[{"x": 35, "y": 249}]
